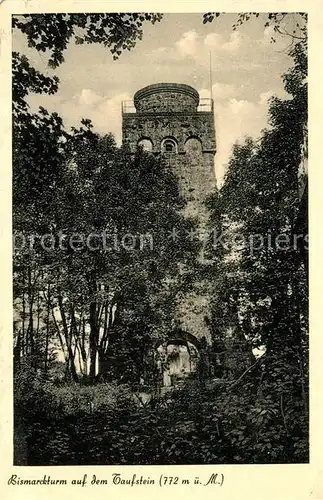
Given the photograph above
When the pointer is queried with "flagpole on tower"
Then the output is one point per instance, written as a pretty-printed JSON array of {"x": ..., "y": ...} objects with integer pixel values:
[{"x": 211, "y": 82}]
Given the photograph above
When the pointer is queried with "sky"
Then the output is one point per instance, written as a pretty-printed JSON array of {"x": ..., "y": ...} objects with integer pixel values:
[{"x": 246, "y": 71}]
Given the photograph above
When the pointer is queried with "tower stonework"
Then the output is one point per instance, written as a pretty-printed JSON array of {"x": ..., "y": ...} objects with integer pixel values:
[{"x": 171, "y": 119}]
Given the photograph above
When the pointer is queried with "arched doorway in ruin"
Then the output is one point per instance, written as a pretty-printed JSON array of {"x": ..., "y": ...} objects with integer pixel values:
[{"x": 177, "y": 358}]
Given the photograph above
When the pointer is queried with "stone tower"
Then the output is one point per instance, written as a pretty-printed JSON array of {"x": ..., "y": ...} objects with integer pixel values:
[{"x": 171, "y": 119}]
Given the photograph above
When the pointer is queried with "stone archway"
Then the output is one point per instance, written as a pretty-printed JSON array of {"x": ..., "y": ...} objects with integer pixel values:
[{"x": 178, "y": 357}]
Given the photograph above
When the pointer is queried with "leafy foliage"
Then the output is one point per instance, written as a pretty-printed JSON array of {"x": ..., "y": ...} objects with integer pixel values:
[
  {"x": 26, "y": 79},
  {"x": 67, "y": 183},
  {"x": 105, "y": 198},
  {"x": 264, "y": 279},
  {"x": 52, "y": 32},
  {"x": 188, "y": 427}
]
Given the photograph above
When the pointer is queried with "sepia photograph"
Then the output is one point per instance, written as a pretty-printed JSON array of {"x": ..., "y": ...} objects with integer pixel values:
[{"x": 160, "y": 238}]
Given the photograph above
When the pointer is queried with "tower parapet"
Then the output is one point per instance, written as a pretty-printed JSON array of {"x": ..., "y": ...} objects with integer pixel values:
[{"x": 166, "y": 97}]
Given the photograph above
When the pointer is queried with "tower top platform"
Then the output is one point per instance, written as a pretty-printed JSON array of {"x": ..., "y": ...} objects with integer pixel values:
[{"x": 161, "y": 97}]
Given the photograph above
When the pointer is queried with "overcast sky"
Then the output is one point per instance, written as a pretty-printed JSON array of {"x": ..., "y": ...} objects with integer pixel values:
[{"x": 246, "y": 71}]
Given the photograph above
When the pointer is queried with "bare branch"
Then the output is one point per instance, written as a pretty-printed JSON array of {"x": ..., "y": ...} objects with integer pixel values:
[{"x": 235, "y": 382}]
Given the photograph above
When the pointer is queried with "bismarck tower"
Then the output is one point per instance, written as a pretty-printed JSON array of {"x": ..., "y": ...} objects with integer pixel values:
[{"x": 171, "y": 119}]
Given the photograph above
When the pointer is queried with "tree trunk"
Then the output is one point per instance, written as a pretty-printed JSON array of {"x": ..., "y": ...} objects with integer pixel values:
[
  {"x": 94, "y": 340},
  {"x": 17, "y": 352},
  {"x": 47, "y": 331},
  {"x": 71, "y": 356}
]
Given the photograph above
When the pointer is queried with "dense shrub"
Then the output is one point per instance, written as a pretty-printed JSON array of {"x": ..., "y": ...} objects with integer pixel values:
[{"x": 102, "y": 424}]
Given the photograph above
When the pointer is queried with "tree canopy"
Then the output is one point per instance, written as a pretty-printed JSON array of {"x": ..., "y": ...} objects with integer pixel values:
[{"x": 52, "y": 32}]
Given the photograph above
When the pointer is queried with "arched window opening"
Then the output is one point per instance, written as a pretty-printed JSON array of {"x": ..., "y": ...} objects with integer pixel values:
[
  {"x": 193, "y": 146},
  {"x": 146, "y": 144},
  {"x": 169, "y": 146}
]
